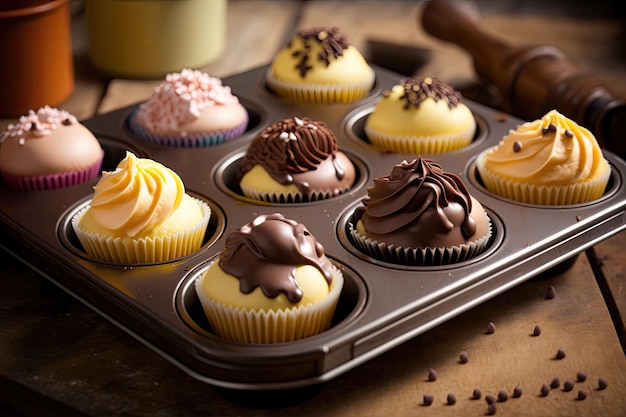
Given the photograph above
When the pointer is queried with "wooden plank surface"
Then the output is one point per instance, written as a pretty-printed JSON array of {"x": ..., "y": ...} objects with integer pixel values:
[{"x": 57, "y": 357}]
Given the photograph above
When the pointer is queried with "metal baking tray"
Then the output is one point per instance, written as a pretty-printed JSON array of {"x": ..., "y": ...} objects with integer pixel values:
[{"x": 381, "y": 306}]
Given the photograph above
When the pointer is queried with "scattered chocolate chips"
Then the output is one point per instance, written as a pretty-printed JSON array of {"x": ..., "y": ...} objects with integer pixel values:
[
  {"x": 502, "y": 396},
  {"x": 428, "y": 399},
  {"x": 545, "y": 390},
  {"x": 463, "y": 358},
  {"x": 432, "y": 375},
  {"x": 550, "y": 293},
  {"x": 491, "y": 328},
  {"x": 476, "y": 394},
  {"x": 602, "y": 383},
  {"x": 537, "y": 330},
  {"x": 581, "y": 376},
  {"x": 560, "y": 354},
  {"x": 491, "y": 409},
  {"x": 517, "y": 391},
  {"x": 451, "y": 399},
  {"x": 550, "y": 128},
  {"x": 517, "y": 146},
  {"x": 568, "y": 386},
  {"x": 582, "y": 394},
  {"x": 555, "y": 383},
  {"x": 490, "y": 399}
]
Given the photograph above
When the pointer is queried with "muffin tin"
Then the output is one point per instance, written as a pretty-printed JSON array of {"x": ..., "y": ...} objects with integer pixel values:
[{"x": 382, "y": 304}]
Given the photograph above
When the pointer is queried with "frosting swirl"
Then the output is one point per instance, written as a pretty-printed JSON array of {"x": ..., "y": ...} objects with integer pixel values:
[
  {"x": 138, "y": 196},
  {"x": 180, "y": 100},
  {"x": 265, "y": 253},
  {"x": 291, "y": 147},
  {"x": 420, "y": 205},
  {"x": 553, "y": 150}
]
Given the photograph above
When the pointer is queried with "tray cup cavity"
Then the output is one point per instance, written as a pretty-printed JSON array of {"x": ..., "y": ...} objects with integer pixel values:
[{"x": 352, "y": 300}]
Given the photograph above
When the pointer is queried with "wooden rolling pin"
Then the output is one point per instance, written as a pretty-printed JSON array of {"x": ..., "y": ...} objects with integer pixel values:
[{"x": 531, "y": 79}]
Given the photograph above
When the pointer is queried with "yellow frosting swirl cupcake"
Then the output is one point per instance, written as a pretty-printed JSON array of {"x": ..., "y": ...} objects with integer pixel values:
[
  {"x": 272, "y": 283},
  {"x": 318, "y": 65},
  {"x": 549, "y": 161},
  {"x": 140, "y": 213}
]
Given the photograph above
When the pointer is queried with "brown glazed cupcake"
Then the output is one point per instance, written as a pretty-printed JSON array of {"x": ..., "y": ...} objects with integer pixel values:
[
  {"x": 420, "y": 215},
  {"x": 295, "y": 160}
]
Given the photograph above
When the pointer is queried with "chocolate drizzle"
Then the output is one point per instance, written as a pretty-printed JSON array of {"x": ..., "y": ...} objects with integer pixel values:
[
  {"x": 419, "y": 201},
  {"x": 292, "y": 146},
  {"x": 331, "y": 41},
  {"x": 265, "y": 253},
  {"x": 417, "y": 90}
]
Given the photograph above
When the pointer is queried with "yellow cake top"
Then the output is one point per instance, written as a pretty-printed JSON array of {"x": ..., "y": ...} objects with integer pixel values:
[
  {"x": 421, "y": 107},
  {"x": 138, "y": 196},
  {"x": 320, "y": 56},
  {"x": 553, "y": 150}
]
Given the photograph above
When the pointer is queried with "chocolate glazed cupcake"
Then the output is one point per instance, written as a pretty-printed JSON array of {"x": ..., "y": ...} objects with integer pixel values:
[
  {"x": 420, "y": 215},
  {"x": 295, "y": 160}
]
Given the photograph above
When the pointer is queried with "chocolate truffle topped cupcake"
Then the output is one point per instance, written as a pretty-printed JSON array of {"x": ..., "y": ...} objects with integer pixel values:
[
  {"x": 295, "y": 160},
  {"x": 421, "y": 215}
]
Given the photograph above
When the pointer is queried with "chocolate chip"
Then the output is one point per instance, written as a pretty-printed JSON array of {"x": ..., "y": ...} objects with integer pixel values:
[
  {"x": 517, "y": 146},
  {"x": 556, "y": 382},
  {"x": 569, "y": 133},
  {"x": 428, "y": 399},
  {"x": 550, "y": 293},
  {"x": 581, "y": 376},
  {"x": 545, "y": 390},
  {"x": 476, "y": 394},
  {"x": 568, "y": 386},
  {"x": 517, "y": 391},
  {"x": 66, "y": 122},
  {"x": 602, "y": 383},
  {"x": 451, "y": 399},
  {"x": 491, "y": 409},
  {"x": 491, "y": 328},
  {"x": 582, "y": 394},
  {"x": 503, "y": 396},
  {"x": 463, "y": 358},
  {"x": 432, "y": 375},
  {"x": 33, "y": 126},
  {"x": 490, "y": 399},
  {"x": 537, "y": 330},
  {"x": 550, "y": 128},
  {"x": 560, "y": 354}
]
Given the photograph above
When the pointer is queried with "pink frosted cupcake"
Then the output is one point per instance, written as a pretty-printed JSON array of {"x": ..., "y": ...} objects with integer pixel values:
[
  {"x": 48, "y": 149},
  {"x": 189, "y": 109}
]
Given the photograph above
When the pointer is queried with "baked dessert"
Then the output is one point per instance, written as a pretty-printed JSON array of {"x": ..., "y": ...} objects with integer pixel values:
[
  {"x": 548, "y": 161},
  {"x": 318, "y": 65},
  {"x": 189, "y": 109},
  {"x": 140, "y": 214},
  {"x": 48, "y": 149},
  {"x": 420, "y": 115},
  {"x": 420, "y": 215},
  {"x": 272, "y": 283},
  {"x": 295, "y": 160}
]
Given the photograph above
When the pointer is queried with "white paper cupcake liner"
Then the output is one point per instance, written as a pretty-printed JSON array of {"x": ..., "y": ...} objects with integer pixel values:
[
  {"x": 286, "y": 198},
  {"x": 419, "y": 256},
  {"x": 128, "y": 251},
  {"x": 191, "y": 140},
  {"x": 419, "y": 144},
  {"x": 547, "y": 195},
  {"x": 263, "y": 327},
  {"x": 321, "y": 93}
]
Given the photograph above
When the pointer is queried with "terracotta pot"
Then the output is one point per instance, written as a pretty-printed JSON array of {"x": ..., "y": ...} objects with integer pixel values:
[
  {"x": 36, "y": 50},
  {"x": 150, "y": 38}
]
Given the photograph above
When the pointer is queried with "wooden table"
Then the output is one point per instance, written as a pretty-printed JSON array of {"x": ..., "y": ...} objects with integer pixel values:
[{"x": 59, "y": 358}]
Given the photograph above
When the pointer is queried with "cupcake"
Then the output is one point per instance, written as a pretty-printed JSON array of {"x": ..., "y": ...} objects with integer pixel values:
[
  {"x": 319, "y": 66},
  {"x": 420, "y": 215},
  {"x": 141, "y": 214},
  {"x": 48, "y": 149},
  {"x": 189, "y": 109},
  {"x": 295, "y": 160},
  {"x": 549, "y": 161},
  {"x": 272, "y": 283},
  {"x": 420, "y": 116}
]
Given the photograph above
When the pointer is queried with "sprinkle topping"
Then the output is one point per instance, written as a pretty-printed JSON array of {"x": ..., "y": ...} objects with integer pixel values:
[
  {"x": 331, "y": 41},
  {"x": 40, "y": 123},
  {"x": 417, "y": 90}
]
